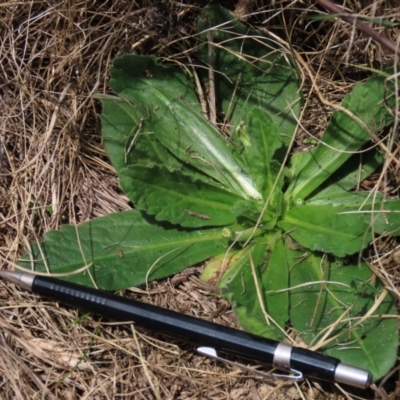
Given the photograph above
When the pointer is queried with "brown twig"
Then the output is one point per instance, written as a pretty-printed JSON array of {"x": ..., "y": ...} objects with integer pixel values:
[{"x": 362, "y": 26}]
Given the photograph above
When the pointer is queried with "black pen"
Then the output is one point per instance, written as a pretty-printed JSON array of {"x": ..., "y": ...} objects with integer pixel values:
[{"x": 297, "y": 362}]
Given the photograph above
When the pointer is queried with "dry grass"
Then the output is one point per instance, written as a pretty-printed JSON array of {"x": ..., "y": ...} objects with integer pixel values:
[{"x": 53, "y": 170}]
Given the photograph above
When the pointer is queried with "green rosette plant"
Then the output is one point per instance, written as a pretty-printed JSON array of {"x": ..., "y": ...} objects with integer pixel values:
[{"x": 282, "y": 238}]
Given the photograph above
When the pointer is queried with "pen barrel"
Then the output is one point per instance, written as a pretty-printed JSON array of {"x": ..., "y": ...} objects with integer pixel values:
[
  {"x": 313, "y": 364},
  {"x": 157, "y": 319},
  {"x": 201, "y": 332}
]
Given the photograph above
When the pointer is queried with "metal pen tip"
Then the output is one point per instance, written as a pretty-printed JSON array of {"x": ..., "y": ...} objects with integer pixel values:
[
  {"x": 353, "y": 376},
  {"x": 21, "y": 279}
]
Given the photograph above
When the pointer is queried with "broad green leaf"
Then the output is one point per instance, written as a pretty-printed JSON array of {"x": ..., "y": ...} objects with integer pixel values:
[
  {"x": 347, "y": 177},
  {"x": 177, "y": 198},
  {"x": 326, "y": 295},
  {"x": 380, "y": 213},
  {"x": 344, "y": 135},
  {"x": 250, "y": 71},
  {"x": 274, "y": 273},
  {"x": 239, "y": 286},
  {"x": 129, "y": 143},
  {"x": 166, "y": 102},
  {"x": 122, "y": 250},
  {"x": 342, "y": 223},
  {"x": 128, "y": 140},
  {"x": 325, "y": 228}
]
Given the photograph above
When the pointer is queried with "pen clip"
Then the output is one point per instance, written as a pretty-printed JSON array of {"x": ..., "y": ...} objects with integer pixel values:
[{"x": 212, "y": 353}]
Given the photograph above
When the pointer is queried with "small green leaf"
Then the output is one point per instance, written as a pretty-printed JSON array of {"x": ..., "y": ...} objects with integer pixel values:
[
  {"x": 177, "y": 198},
  {"x": 247, "y": 208},
  {"x": 324, "y": 297},
  {"x": 122, "y": 250}
]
